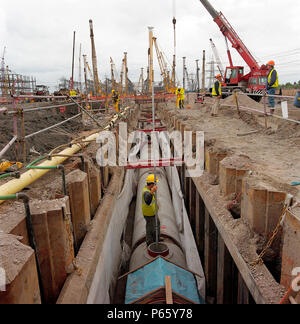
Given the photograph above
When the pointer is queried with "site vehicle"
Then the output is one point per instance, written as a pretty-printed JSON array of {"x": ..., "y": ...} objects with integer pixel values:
[
  {"x": 42, "y": 90},
  {"x": 235, "y": 78}
]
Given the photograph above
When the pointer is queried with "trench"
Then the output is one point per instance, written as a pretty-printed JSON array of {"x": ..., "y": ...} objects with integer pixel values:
[
  {"x": 223, "y": 282},
  {"x": 126, "y": 236},
  {"x": 189, "y": 228}
]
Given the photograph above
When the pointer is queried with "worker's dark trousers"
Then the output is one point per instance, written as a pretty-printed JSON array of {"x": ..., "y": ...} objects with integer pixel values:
[
  {"x": 150, "y": 229},
  {"x": 181, "y": 104}
]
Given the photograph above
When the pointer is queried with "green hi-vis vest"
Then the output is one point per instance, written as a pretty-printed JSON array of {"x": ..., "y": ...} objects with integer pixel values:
[
  {"x": 148, "y": 210},
  {"x": 214, "y": 92},
  {"x": 276, "y": 84}
]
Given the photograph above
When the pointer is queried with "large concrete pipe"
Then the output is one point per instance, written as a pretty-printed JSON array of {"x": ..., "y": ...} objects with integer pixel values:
[{"x": 169, "y": 230}]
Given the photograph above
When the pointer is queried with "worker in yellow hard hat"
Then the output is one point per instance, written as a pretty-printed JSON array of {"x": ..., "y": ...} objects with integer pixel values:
[
  {"x": 116, "y": 99},
  {"x": 149, "y": 209},
  {"x": 217, "y": 95},
  {"x": 272, "y": 84}
]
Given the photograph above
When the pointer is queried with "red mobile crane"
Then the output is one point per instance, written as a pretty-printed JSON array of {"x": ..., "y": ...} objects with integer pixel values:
[{"x": 234, "y": 78}]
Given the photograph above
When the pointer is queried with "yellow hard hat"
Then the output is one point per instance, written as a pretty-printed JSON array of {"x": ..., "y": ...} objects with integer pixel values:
[{"x": 150, "y": 179}]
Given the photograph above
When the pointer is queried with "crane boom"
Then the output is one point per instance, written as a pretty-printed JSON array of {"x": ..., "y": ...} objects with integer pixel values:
[{"x": 228, "y": 31}]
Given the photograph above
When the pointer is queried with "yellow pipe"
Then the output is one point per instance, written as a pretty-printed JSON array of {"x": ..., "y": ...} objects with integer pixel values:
[{"x": 27, "y": 178}]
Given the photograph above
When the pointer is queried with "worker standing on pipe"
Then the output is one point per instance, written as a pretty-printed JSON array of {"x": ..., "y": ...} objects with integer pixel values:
[
  {"x": 272, "y": 84},
  {"x": 149, "y": 209},
  {"x": 116, "y": 99},
  {"x": 217, "y": 95}
]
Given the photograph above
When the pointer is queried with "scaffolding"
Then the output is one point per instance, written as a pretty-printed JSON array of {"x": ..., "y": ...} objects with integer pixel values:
[
  {"x": 65, "y": 84},
  {"x": 12, "y": 83}
]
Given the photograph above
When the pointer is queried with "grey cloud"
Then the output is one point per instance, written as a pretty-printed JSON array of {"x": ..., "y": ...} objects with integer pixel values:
[{"x": 38, "y": 34}]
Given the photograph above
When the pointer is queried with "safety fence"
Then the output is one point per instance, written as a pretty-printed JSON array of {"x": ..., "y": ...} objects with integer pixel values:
[
  {"x": 266, "y": 111},
  {"x": 84, "y": 107}
]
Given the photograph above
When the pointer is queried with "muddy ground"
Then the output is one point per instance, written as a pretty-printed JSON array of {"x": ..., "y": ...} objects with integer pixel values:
[
  {"x": 274, "y": 152},
  {"x": 37, "y": 120}
]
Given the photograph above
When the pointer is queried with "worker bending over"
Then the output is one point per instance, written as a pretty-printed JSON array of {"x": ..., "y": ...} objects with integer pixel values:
[
  {"x": 116, "y": 99},
  {"x": 149, "y": 209},
  {"x": 272, "y": 84},
  {"x": 217, "y": 95}
]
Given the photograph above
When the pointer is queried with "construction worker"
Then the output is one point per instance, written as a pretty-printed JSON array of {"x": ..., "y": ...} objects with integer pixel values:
[
  {"x": 116, "y": 99},
  {"x": 177, "y": 92},
  {"x": 73, "y": 93},
  {"x": 272, "y": 84},
  {"x": 217, "y": 95},
  {"x": 181, "y": 98},
  {"x": 149, "y": 209}
]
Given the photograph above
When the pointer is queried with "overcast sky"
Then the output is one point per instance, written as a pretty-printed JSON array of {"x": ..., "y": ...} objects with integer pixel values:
[{"x": 38, "y": 35}]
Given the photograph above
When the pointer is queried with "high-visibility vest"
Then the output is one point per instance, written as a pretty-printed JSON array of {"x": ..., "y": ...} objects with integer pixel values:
[
  {"x": 214, "y": 92},
  {"x": 148, "y": 210},
  {"x": 276, "y": 84},
  {"x": 181, "y": 94}
]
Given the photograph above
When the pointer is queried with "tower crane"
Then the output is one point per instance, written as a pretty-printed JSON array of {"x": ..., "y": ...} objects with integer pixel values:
[
  {"x": 87, "y": 69},
  {"x": 234, "y": 78},
  {"x": 141, "y": 83},
  {"x": 113, "y": 81},
  {"x": 79, "y": 69},
  {"x": 217, "y": 58},
  {"x": 121, "y": 88},
  {"x": 162, "y": 65},
  {"x": 4, "y": 82}
]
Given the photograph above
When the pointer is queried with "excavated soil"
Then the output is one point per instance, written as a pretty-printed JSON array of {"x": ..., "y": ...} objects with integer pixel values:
[
  {"x": 13, "y": 255},
  {"x": 35, "y": 121},
  {"x": 274, "y": 153}
]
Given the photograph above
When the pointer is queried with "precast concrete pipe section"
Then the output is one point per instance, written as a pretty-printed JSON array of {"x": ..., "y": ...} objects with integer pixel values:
[{"x": 169, "y": 230}]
